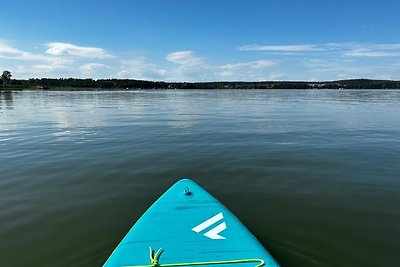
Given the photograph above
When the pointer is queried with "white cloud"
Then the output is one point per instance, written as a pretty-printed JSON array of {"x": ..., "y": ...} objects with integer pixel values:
[
  {"x": 62, "y": 49},
  {"x": 59, "y": 60},
  {"x": 139, "y": 68},
  {"x": 371, "y": 50},
  {"x": 367, "y": 53},
  {"x": 26, "y": 64},
  {"x": 89, "y": 68},
  {"x": 281, "y": 48},
  {"x": 184, "y": 58},
  {"x": 190, "y": 67},
  {"x": 9, "y": 52},
  {"x": 367, "y": 46},
  {"x": 248, "y": 71},
  {"x": 47, "y": 69},
  {"x": 259, "y": 64}
]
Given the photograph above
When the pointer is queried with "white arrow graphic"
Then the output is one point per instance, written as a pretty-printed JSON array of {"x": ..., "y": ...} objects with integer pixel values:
[{"x": 214, "y": 232}]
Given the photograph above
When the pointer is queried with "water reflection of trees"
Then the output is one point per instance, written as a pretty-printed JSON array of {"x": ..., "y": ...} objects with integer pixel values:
[{"x": 6, "y": 99}]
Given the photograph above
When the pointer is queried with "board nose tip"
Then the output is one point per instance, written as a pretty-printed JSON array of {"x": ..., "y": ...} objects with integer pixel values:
[
  {"x": 186, "y": 185},
  {"x": 185, "y": 180}
]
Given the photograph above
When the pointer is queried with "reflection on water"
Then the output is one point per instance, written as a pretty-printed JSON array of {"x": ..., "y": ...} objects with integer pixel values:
[
  {"x": 314, "y": 174},
  {"x": 6, "y": 99}
]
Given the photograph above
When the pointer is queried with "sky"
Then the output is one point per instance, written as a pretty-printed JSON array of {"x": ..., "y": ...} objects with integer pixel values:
[{"x": 201, "y": 40}]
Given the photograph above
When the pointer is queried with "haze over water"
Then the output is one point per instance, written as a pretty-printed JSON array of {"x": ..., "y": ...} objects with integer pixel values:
[{"x": 313, "y": 174}]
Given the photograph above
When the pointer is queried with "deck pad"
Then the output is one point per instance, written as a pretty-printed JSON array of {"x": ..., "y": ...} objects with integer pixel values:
[{"x": 191, "y": 226}]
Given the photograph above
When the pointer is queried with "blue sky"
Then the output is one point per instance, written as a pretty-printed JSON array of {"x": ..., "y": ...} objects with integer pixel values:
[{"x": 204, "y": 40}]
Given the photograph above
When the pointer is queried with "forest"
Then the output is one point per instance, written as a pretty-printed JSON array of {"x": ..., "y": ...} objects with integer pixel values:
[{"x": 6, "y": 83}]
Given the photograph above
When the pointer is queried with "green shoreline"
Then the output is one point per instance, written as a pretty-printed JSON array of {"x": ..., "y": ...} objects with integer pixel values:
[{"x": 118, "y": 84}]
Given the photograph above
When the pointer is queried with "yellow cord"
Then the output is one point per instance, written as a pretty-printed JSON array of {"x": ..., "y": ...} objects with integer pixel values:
[{"x": 155, "y": 261}]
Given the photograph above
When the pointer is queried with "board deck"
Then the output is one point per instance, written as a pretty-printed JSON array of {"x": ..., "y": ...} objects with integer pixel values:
[{"x": 191, "y": 226}]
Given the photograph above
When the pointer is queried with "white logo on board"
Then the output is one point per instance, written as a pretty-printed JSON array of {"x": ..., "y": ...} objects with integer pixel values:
[{"x": 214, "y": 232}]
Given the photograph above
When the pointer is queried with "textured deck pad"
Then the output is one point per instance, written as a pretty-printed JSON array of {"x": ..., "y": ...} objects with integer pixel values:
[{"x": 191, "y": 227}]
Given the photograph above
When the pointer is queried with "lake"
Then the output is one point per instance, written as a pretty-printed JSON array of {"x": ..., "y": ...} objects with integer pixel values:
[{"x": 314, "y": 174}]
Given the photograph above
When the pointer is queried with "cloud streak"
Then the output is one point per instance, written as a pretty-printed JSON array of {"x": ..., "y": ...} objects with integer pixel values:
[
  {"x": 340, "y": 49},
  {"x": 371, "y": 50},
  {"x": 67, "y": 49},
  {"x": 281, "y": 48},
  {"x": 258, "y": 64}
]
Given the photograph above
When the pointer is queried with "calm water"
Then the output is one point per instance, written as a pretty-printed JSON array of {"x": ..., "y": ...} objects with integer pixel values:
[{"x": 313, "y": 174}]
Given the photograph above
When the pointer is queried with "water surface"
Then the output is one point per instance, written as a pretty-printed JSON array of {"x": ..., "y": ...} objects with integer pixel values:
[{"x": 313, "y": 174}]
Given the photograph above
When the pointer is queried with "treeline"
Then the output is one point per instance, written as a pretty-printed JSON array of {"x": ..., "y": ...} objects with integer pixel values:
[
  {"x": 47, "y": 83},
  {"x": 72, "y": 83}
]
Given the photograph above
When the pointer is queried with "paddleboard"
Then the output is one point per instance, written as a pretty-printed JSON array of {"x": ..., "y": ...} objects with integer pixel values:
[{"x": 191, "y": 227}]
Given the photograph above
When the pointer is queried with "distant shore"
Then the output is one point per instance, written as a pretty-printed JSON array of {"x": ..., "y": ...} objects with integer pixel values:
[{"x": 127, "y": 84}]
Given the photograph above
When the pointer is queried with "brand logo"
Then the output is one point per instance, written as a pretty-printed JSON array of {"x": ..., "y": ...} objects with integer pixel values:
[{"x": 214, "y": 232}]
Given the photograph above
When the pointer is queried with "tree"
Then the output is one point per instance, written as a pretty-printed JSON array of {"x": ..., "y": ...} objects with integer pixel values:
[{"x": 6, "y": 76}]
